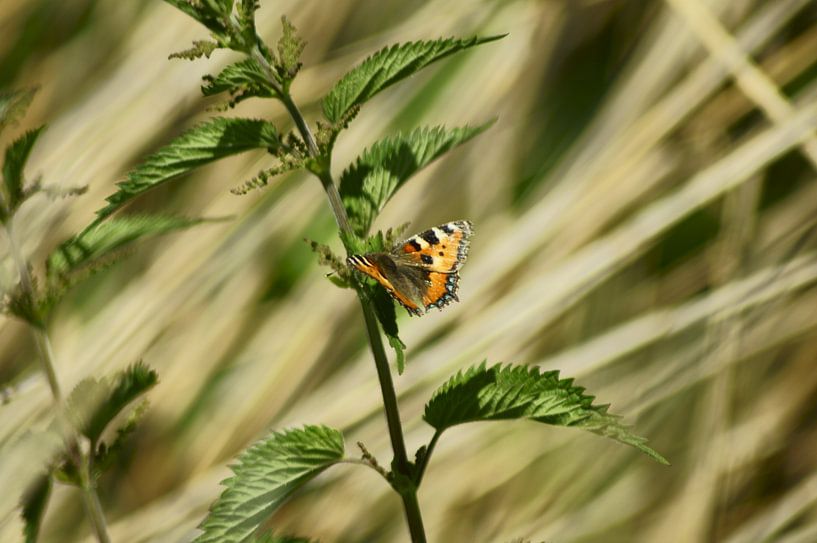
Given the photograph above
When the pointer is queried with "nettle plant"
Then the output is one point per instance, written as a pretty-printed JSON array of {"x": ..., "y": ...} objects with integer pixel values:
[{"x": 91, "y": 423}]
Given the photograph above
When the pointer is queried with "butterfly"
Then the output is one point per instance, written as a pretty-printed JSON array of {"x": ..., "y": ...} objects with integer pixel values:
[{"x": 422, "y": 271}]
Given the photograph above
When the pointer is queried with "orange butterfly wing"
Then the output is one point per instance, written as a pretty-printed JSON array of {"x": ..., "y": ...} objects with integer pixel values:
[
  {"x": 441, "y": 249},
  {"x": 364, "y": 265}
]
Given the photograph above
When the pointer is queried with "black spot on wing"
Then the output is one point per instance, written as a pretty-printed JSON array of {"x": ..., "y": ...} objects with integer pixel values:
[
  {"x": 427, "y": 259},
  {"x": 414, "y": 243},
  {"x": 430, "y": 237}
]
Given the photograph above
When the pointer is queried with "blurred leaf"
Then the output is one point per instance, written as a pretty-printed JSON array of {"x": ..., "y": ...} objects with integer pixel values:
[
  {"x": 265, "y": 476},
  {"x": 105, "y": 455},
  {"x": 501, "y": 393},
  {"x": 19, "y": 303},
  {"x": 201, "y": 48},
  {"x": 35, "y": 501},
  {"x": 368, "y": 184},
  {"x": 14, "y": 104},
  {"x": 386, "y": 67},
  {"x": 98, "y": 242},
  {"x": 84, "y": 401},
  {"x": 217, "y": 138},
  {"x": 269, "y": 537},
  {"x": 127, "y": 385},
  {"x": 16, "y": 156},
  {"x": 94, "y": 403},
  {"x": 242, "y": 80}
]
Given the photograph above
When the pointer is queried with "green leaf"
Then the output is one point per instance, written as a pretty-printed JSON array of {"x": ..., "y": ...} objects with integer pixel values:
[
  {"x": 125, "y": 387},
  {"x": 35, "y": 501},
  {"x": 105, "y": 454},
  {"x": 368, "y": 184},
  {"x": 214, "y": 14},
  {"x": 102, "y": 240},
  {"x": 386, "y": 67},
  {"x": 217, "y": 138},
  {"x": 517, "y": 392},
  {"x": 16, "y": 156},
  {"x": 265, "y": 476},
  {"x": 95, "y": 403},
  {"x": 14, "y": 104},
  {"x": 242, "y": 80},
  {"x": 18, "y": 302}
]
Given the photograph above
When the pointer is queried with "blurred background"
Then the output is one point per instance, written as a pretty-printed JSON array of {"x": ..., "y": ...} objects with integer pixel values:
[{"x": 645, "y": 213}]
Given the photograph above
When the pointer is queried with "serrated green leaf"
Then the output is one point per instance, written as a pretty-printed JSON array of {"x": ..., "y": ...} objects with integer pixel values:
[
  {"x": 242, "y": 80},
  {"x": 16, "y": 156},
  {"x": 521, "y": 392},
  {"x": 266, "y": 475},
  {"x": 217, "y": 138},
  {"x": 368, "y": 184},
  {"x": 14, "y": 104},
  {"x": 35, "y": 501},
  {"x": 386, "y": 67},
  {"x": 104, "y": 239},
  {"x": 384, "y": 309}
]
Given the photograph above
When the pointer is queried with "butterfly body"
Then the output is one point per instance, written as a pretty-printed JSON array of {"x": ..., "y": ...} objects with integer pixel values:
[{"x": 422, "y": 271}]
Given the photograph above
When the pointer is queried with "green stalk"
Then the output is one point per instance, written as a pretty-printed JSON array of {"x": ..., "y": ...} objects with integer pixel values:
[
  {"x": 401, "y": 464},
  {"x": 82, "y": 460}
]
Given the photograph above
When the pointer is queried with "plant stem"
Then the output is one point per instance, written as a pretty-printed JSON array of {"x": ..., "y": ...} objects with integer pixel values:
[
  {"x": 90, "y": 499},
  {"x": 401, "y": 463},
  {"x": 40, "y": 334}
]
